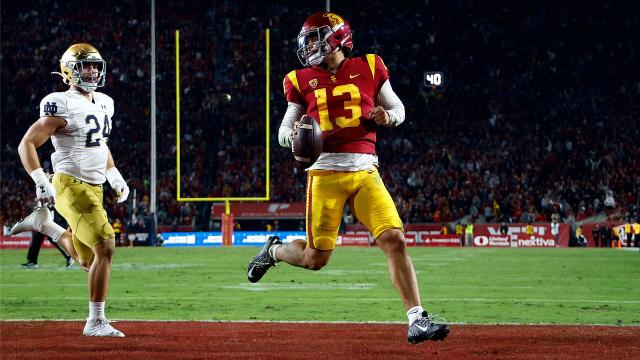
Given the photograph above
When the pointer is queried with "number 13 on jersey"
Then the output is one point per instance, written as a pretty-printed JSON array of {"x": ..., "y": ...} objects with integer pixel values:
[{"x": 352, "y": 105}]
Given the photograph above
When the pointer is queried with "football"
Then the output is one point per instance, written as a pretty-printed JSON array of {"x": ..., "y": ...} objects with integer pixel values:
[{"x": 307, "y": 142}]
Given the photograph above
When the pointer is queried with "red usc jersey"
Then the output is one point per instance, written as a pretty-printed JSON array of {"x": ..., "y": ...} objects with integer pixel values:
[{"x": 341, "y": 102}]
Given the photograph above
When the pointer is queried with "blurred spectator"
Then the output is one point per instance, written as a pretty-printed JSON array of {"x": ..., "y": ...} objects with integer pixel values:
[
  {"x": 605, "y": 235},
  {"x": 117, "y": 230},
  {"x": 468, "y": 233},
  {"x": 595, "y": 232},
  {"x": 460, "y": 233},
  {"x": 504, "y": 229},
  {"x": 529, "y": 230},
  {"x": 581, "y": 241}
]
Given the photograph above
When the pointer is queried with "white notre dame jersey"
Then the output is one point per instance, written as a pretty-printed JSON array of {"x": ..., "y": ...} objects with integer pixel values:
[{"x": 81, "y": 147}]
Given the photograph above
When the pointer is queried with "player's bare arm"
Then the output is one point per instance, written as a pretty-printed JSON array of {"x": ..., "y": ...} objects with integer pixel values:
[
  {"x": 37, "y": 135},
  {"x": 110, "y": 162}
]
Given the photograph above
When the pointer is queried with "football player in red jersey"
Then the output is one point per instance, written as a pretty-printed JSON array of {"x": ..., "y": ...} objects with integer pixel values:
[{"x": 349, "y": 97}]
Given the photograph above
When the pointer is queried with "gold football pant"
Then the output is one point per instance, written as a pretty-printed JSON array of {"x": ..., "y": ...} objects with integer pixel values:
[
  {"x": 80, "y": 204},
  {"x": 368, "y": 198}
]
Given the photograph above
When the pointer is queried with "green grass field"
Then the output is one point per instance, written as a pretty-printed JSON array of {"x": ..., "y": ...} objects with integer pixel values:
[{"x": 546, "y": 286}]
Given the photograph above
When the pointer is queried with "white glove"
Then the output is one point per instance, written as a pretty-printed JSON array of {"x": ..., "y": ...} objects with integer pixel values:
[
  {"x": 118, "y": 184},
  {"x": 45, "y": 192}
]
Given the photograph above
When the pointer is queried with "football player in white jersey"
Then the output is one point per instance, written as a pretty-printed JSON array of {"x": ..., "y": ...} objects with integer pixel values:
[{"x": 78, "y": 122}]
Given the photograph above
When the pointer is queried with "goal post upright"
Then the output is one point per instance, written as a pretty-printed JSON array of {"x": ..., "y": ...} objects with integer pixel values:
[{"x": 226, "y": 200}]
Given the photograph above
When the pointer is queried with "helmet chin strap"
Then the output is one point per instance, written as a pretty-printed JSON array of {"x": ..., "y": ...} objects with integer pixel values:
[{"x": 85, "y": 88}]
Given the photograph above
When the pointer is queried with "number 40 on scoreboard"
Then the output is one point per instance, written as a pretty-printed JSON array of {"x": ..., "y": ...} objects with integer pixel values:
[{"x": 433, "y": 79}]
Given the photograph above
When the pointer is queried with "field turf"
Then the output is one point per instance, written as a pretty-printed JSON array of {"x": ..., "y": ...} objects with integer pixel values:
[{"x": 477, "y": 286}]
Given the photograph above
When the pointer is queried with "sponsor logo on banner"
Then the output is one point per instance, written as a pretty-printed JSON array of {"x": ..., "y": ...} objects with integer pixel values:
[
  {"x": 427, "y": 239},
  {"x": 536, "y": 242},
  {"x": 180, "y": 239},
  {"x": 489, "y": 235},
  {"x": 289, "y": 238},
  {"x": 255, "y": 239},
  {"x": 260, "y": 237},
  {"x": 355, "y": 239},
  {"x": 213, "y": 239},
  {"x": 492, "y": 241},
  {"x": 19, "y": 242}
]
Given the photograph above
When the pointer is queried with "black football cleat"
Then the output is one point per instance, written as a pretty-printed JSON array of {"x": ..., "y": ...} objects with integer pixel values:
[
  {"x": 425, "y": 329},
  {"x": 262, "y": 262}
]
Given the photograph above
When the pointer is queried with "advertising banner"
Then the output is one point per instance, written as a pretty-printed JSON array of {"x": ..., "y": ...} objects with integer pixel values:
[
  {"x": 19, "y": 242},
  {"x": 354, "y": 239},
  {"x": 242, "y": 211},
  {"x": 171, "y": 239},
  {"x": 489, "y": 235}
]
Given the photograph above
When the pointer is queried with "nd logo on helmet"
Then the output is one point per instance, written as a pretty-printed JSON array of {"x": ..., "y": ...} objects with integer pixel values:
[{"x": 334, "y": 19}]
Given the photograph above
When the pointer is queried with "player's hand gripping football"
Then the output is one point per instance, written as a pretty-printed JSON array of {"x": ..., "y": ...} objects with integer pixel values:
[
  {"x": 117, "y": 183},
  {"x": 293, "y": 132},
  {"x": 379, "y": 115}
]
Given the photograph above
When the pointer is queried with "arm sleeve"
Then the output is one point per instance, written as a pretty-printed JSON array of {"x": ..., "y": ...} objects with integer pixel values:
[
  {"x": 392, "y": 104},
  {"x": 294, "y": 113}
]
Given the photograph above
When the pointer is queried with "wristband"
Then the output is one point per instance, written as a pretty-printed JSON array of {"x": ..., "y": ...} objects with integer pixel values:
[
  {"x": 113, "y": 174},
  {"x": 38, "y": 176}
]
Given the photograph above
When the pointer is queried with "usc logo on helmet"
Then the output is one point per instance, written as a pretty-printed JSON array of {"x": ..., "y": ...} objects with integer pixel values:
[{"x": 334, "y": 19}]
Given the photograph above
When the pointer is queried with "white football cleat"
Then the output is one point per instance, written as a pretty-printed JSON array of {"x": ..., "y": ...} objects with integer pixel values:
[
  {"x": 101, "y": 327},
  {"x": 34, "y": 222}
]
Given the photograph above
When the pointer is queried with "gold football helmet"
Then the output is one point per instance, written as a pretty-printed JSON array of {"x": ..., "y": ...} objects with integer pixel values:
[{"x": 75, "y": 60}]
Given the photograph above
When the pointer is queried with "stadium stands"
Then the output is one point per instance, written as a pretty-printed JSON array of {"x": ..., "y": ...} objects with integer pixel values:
[{"x": 531, "y": 122}]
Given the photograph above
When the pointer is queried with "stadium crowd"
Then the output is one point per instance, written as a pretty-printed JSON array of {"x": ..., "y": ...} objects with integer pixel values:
[{"x": 539, "y": 112}]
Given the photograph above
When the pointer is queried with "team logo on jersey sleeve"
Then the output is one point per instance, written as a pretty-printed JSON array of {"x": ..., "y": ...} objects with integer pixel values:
[
  {"x": 50, "y": 108},
  {"x": 313, "y": 83}
]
